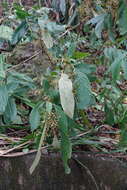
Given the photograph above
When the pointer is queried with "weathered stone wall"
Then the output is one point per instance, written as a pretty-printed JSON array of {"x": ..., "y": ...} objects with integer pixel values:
[{"x": 98, "y": 173}]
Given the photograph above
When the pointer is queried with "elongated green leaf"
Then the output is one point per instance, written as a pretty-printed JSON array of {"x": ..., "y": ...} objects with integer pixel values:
[
  {"x": 2, "y": 69},
  {"x": 19, "y": 33},
  {"x": 84, "y": 95},
  {"x": 10, "y": 111},
  {"x": 66, "y": 147},
  {"x": 3, "y": 98},
  {"x": 34, "y": 118}
]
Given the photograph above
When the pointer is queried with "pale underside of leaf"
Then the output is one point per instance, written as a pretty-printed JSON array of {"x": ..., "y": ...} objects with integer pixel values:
[{"x": 66, "y": 95}]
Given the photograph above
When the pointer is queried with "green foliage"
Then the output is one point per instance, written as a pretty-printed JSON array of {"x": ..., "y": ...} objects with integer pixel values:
[
  {"x": 12, "y": 84},
  {"x": 34, "y": 118},
  {"x": 122, "y": 15},
  {"x": 84, "y": 95},
  {"x": 19, "y": 33},
  {"x": 66, "y": 147},
  {"x": 56, "y": 28},
  {"x": 3, "y": 98}
]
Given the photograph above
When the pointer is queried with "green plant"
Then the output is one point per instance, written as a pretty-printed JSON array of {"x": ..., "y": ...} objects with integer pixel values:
[
  {"x": 13, "y": 86},
  {"x": 60, "y": 114},
  {"x": 74, "y": 83}
]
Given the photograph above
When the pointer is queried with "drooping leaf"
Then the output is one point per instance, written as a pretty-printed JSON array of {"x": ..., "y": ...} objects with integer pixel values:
[
  {"x": 19, "y": 33},
  {"x": 66, "y": 147},
  {"x": 3, "y": 98},
  {"x": 38, "y": 155},
  {"x": 10, "y": 111},
  {"x": 2, "y": 69},
  {"x": 34, "y": 118},
  {"x": 66, "y": 95},
  {"x": 35, "y": 162}
]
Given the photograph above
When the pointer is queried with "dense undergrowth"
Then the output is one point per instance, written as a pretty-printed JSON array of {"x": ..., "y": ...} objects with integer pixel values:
[{"x": 80, "y": 100}]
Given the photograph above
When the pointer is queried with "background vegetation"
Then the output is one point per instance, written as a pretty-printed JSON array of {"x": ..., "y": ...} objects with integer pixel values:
[{"x": 74, "y": 97}]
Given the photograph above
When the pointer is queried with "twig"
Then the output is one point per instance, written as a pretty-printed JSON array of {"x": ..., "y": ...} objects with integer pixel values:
[
  {"x": 82, "y": 134},
  {"x": 22, "y": 63},
  {"x": 14, "y": 148},
  {"x": 88, "y": 171}
]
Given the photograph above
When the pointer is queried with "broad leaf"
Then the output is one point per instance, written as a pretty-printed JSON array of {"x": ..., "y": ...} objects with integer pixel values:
[
  {"x": 85, "y": 68},
  {"x": 34, "y": 118},
  {"x": 84, "y": 95},
  {"x": 66, "y": 95}
]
